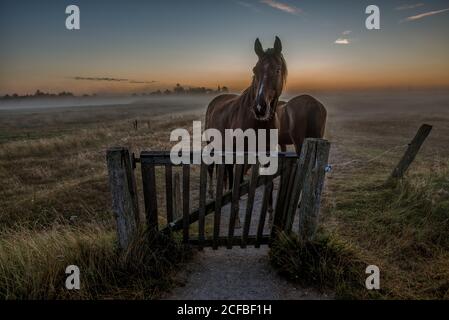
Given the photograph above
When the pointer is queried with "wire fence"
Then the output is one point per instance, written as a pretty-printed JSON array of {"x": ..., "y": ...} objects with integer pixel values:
[{"x": 331, "y": 166}]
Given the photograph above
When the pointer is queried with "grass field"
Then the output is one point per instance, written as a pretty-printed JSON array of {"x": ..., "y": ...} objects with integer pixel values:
[{"x": 55, "y": 203}]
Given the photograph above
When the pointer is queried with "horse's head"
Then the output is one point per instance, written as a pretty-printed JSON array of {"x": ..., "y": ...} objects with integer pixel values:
[{"x": 270, "y": 74}]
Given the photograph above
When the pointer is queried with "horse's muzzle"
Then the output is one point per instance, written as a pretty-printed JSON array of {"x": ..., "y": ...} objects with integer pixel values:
[{"x": 265, "y": 111}]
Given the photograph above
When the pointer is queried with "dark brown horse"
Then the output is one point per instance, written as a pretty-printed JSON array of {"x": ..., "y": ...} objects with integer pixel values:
[
  {"x": 302, "y": 117},
  {"x": 256, "y": 107}
]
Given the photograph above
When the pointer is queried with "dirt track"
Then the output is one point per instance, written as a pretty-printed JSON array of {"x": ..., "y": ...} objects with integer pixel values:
[{"x": 237, "y": 274}]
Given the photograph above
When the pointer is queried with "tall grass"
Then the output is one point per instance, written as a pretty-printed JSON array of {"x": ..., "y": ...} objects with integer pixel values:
[
  {"x": 403, "y": 228},
  {"x": 32, "y": 264},
  {"x": 325, "y": 263}
]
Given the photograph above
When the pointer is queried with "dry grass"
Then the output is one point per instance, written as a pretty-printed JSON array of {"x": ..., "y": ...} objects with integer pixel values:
[
  {"x": 327, "y": 263},
  {"x": 55, "y": 205},
  {"x": 401, "y": 228},
  {"x": 33, "y": 263},
  {"x": 54, "y": 198}
]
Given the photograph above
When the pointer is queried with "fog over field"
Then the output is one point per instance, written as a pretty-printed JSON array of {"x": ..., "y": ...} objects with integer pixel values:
[
  {"x": 44, "y": 103},
  {"x": 55, "y": 183}
]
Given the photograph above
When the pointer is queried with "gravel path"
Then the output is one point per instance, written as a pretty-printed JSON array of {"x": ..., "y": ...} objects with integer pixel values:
[{"x": 237, "y": 274}]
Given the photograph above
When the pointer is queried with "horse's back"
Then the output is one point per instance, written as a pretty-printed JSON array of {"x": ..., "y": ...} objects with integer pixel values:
[
  {"x": 309, "y": 112},
  {"x": 300, "y": 118},
  {"x": 306, "y": 104}
]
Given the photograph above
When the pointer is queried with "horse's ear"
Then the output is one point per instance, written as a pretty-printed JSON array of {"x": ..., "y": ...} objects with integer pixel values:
[
  {"x": 277, "y": 45},
  {"x": 258, "y": 48}
]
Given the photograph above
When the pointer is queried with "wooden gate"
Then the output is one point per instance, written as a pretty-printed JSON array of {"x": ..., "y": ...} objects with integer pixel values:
[{"x": 298, "y": 180}]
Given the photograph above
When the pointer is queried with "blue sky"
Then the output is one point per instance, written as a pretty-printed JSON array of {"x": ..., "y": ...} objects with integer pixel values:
[{"x": 210, "y": 42}]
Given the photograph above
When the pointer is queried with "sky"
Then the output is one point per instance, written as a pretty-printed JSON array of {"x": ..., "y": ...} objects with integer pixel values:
[{"x": 140, "y": 46}]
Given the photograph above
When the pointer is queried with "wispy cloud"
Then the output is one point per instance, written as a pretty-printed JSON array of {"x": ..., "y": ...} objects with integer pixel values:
[
  {"x": 342, "y": 41},
  {"x": 247, "y": 5},
  {"x": 409, "y": 6},
  {"x": 424, "y": 15},
  {"x": 100, "y": 79},
  {"x": 282, "y": 6},
  {"x": 142, "y": 82},
  {"x": 107, "y": 79}
]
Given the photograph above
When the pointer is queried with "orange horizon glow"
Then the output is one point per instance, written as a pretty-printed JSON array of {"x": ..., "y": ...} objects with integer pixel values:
[
  {"x": 155, "y": 45},
  {"x": 296, "y": 82}
]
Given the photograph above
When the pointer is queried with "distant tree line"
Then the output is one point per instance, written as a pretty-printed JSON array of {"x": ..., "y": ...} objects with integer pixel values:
[
  {"x": 40, "y": 94},
  {"x": 177, "y": 90},
  {"x": 180, "y": 90}
]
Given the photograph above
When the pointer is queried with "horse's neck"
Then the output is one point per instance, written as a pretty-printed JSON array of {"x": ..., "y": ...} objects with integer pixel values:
[
  {"x": 245, "y": 102},
  {"x": 248, "y": 97}
]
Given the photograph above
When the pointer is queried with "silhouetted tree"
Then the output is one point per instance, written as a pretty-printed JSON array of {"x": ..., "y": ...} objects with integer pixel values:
[{"x": 179, "y": 89}]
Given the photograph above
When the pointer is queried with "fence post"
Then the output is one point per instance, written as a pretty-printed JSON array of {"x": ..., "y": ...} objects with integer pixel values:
[
  {"x": 124, "y": 194},
  {"x": 313, "y": 187},
  {"x": 302, "y": 167},
  {"x": 411, "y": 152}
]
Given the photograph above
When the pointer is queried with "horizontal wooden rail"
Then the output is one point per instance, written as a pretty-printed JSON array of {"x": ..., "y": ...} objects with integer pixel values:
[
  {"x": 234, "y": 242},
  {"x": 163, "y": 158}
]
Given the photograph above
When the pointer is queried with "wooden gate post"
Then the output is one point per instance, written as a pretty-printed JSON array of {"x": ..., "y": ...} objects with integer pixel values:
[
  {"x": 412, "y": 151},
  {"x": 303, "y": 165},
  {"x": 122, "y": 184},
  {"x": 313, "y": 187}
]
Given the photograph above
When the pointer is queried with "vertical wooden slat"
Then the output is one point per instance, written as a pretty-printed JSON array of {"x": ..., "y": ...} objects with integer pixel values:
[
  {"x": 218, "y": 204},
  {"x": 250, "y": 203},
  {"x": 177, "y": 206},
  {"x": 291, "y": 180},
  {"x": 282, "y": 192},
  {"x": 169, "y": 192},
  {"x": 124, "y": 194},
  {"x": 150, "y": 195},
  {"x": 235, "y": 202},
  {"x": 202, "y": 205},
  {"x": 268, "y": 189},
  {"x": 186, "y": 201}
]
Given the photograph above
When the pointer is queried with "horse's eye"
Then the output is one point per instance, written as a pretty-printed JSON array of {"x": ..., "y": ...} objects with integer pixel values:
[{"x": 278, "y": 71}]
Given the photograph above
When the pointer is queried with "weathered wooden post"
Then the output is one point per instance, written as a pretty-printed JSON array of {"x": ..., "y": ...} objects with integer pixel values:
[
  {"x": 411, "y": 152},
  {"x": 303, "y": 166},
  {"x": 312, "y": 188},
  {"x": 122, "y": 184}
]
